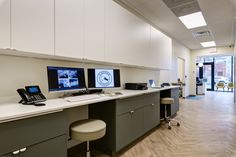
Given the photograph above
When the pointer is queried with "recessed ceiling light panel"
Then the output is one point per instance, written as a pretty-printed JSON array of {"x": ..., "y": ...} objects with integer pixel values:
[
  {"x": 208, "y": 44},
  {"x": 193, "y": 20}
]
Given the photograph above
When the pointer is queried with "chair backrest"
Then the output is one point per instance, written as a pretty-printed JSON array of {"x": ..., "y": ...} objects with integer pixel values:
[
  {"x": 230, "y": 84},
  {"x": 220, "y": 84}
]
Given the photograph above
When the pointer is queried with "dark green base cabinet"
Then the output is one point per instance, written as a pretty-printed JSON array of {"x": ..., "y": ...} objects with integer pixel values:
[
  {"x": 42, "y": 136},
  {"x": 127, "y": 119}
]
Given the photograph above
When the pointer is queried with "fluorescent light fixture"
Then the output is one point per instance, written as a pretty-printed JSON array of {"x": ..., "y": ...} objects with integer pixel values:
[
  {"x": 208, "y": 44},
  {"x": 193, "y": 20}
]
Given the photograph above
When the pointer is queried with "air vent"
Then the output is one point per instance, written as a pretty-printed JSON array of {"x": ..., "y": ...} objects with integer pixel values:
[
  {"x": 201, "y": 34},
  {"x": 183, "y": 7},
  {"x": 175, "y": 3}
]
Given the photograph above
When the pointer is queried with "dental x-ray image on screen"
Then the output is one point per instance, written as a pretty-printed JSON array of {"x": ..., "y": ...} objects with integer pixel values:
[
  {"x": 65, "y": 78},
  {"x": 68, "y": 78}
]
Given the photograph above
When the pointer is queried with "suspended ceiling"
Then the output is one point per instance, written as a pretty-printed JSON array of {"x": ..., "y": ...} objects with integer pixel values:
[{"x": 219, "y": 16}]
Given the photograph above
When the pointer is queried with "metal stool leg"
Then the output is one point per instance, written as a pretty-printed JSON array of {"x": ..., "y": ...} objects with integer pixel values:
[
  {"x": 169, "y": 120},
  {"x": 88, "y": 151}
]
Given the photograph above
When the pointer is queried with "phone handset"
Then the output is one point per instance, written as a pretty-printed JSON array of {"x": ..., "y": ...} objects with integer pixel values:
[{"x": 25, "y": 97}]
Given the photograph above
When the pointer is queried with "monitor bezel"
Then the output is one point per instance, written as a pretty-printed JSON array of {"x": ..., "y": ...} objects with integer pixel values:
[
  {"x": 66, "y": 90},
  {"x": 103, "y": 87}
]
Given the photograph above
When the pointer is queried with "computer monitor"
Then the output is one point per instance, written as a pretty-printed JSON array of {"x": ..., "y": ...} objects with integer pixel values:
[
  {"x": 65, "y": 78},
  {"x": 103, "y": 78}
]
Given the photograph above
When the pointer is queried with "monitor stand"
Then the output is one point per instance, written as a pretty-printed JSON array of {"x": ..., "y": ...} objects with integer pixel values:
[
  {"x": 82, "y": 92},
  {"x": 98, "y": 91}
]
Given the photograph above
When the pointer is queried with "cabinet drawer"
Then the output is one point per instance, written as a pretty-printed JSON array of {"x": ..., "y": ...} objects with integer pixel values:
[
  {"x": 55, "y": 147},
  {"x": 124, "y": 105},
  {"x": 132, "y": 103},
  {"x": 22, "y": 133}
]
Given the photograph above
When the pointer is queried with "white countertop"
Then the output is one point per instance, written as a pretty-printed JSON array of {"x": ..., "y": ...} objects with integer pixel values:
[{"x": 15, "y": 111}]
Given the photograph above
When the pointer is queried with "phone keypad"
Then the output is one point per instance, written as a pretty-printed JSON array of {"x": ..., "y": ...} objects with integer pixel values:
[{"x": 38, "y": 97}]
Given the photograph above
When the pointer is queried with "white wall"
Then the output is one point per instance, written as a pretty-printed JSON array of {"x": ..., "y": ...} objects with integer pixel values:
[
  {"x": 235, "y": 64},
  {"x": 178, "y": 51},
  {"x": 219, "y": 51},
  {"x": 17, "y": 72}
]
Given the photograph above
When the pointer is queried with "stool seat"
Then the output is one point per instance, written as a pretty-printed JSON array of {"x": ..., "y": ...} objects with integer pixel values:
[
  {"x": 167, "y": 101},
  {"x": 88, "y": 130}
]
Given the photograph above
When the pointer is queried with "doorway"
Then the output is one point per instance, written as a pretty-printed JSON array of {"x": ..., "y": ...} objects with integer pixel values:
[
  {"x": 181, "y": 75},
  {"x": 208, "y": 74},
  {"x": 181, "y": 69}
]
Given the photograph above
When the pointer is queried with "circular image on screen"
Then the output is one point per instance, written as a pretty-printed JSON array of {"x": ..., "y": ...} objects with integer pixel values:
[{"x": 104, "y": 78}]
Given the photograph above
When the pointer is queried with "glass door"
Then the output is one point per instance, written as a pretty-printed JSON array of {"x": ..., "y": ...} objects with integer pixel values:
[{"x": 208, "y": 74}]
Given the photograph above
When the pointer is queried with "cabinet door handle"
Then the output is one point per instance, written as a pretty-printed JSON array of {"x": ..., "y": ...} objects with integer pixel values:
[
  {"x": 23, "y": 150},
  {"x": 153, "y": 104},
  {"x": 16, "y": 152},
  {"x": 131, "y": 112}
]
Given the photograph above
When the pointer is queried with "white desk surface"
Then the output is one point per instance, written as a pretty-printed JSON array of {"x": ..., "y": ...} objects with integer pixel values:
[{"x": 16, "y": 111}]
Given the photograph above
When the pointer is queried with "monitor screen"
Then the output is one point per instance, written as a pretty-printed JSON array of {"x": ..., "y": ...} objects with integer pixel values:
[
  {"x": 65, "y": 78},
  {"x": 103, "y": 78}
]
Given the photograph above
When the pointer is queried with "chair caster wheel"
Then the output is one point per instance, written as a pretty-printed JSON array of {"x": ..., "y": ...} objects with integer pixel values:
[
  {"x": 178, "y": 124},
  {"x": 169, "y": 127}
]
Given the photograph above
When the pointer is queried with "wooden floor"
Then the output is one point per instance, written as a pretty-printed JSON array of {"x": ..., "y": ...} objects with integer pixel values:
[{"x": 208, "y": 129}]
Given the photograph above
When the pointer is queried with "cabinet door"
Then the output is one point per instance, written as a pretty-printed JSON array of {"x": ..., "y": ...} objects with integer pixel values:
[
  {"x": 33, "y": 26},
  {"x": 175, "y": 95},
  {"x": 5, "y": 23},
  {"x": 69, "y": 28},
  {"x": 137, "y": 124},
  {"x": 151, "y": 116},
  {"x": 161, "y": 50},
  {"x": 123, "y": 130},
  {"x": 94, "y": 38},
  {"x": 129, "y": 127},
  {"x": 126, "y": 36},
  {"x": 52, "y": 148}
]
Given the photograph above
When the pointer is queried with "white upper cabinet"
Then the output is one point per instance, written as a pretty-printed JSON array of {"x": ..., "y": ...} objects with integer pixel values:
[
  {"x": 126, "y": 36},
  {"x": 33, "y": 26},
  {"x": 69, "y": 28},
  {"x": 94, "y": 29},
  {"x": 79, "y": 29},
  {"x": 160, "y": 50},
  {"x": 5, "y": 23}
]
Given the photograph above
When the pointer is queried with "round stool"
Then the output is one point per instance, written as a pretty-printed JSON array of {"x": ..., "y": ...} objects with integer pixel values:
[
  {"x": 168, "y": 101},
  {"x": 88, "y": 130}
]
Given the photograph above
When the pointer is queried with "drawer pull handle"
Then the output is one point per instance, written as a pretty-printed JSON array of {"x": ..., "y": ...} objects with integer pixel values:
[
  {"x": 131, "y": 112},
  {"x": 16, "y": 152},
  {"x": 153, "y": 104},
  {"x": 23, "y": 150}
]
